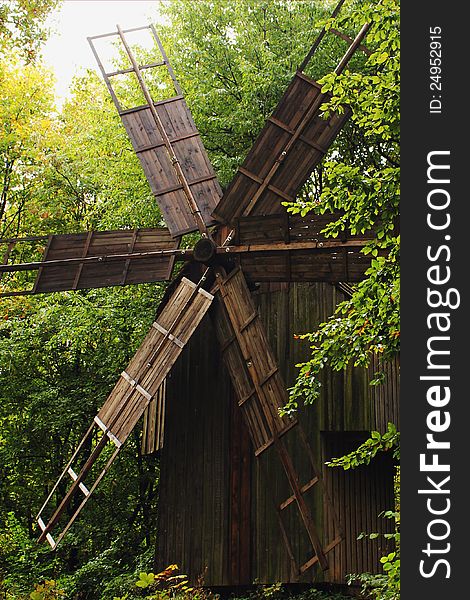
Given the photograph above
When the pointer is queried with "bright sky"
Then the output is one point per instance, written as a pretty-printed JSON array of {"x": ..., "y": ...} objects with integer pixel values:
[{"x": 67, "y": 50}]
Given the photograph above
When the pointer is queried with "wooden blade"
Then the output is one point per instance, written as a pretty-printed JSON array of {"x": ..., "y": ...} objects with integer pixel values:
[
  {"x": 250, "y": 362},
  {"x": 284, "y": 247},
  {"x": 138, "y": 385},
  {"x": 169, "y": 147},
  {"x": 171, "y": 188},
  {"x": 101, "y": 259},
  {"x": 293, "y": 141},
  {"x": 261, "y": 392},
  {"x": 330, "y": 265}
]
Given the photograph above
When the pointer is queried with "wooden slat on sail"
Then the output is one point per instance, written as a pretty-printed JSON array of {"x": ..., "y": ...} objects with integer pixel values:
[
  {"x": 105, "y": 271},
  {"x": 154, "y": 359},
  {"x": 255, "y": 375},
  {"x": 329, "y": 264},
  {"x": 285, "y": 227},
  {"x": 160, "y": 170},
  {"x": 153, "y": 426},
  {"x": 285, "y": 247}
]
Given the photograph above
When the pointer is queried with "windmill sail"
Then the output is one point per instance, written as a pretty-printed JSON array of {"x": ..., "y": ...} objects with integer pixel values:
[
  {"x": 137, "y": 386},
  {"x": 285, "y": 247},
  {"x": 261, "y": 392},
  {"x": 168, "y": 145},
  {"x": 92, "y": 259},
  {"x": 293, "y": 141}
]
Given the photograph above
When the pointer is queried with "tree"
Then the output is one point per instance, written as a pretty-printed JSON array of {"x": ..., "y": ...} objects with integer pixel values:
[
  {"x": 22, "y": 26},
  {"x": 234, "y": 61},
  {"x": 26, "y": 141},
  {"x": 61, "y": 354},
  {"x": 362, "y": 182}
]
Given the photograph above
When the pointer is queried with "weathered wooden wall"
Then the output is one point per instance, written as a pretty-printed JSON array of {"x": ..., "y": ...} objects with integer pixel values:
[
  {"x": 193, "y": 522},
  {"x": 216, "y": 515}
]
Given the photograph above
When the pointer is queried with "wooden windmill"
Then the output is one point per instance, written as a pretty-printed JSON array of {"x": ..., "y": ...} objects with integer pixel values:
[{"x": 245, "y": 237}]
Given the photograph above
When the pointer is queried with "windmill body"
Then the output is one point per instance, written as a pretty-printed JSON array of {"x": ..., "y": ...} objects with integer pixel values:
[
  {"x": 217, "y": 502},
  {"x": 246, "y": 239}
]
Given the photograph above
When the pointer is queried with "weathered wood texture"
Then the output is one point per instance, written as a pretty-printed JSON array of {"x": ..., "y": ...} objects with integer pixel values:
[
  {"x": 261, "y": 393},
  {"x": 153, "y": 425},
  {"x": 362, "y": 494},
  {"x": 104, "y": 273},
  {"x": 287, "y": 259},
  {"x": 292, "y": 142},
  {"x": 288, "y": 228},
  {"x": 386, "y": 398},
  {"x": 153, "y": 360},
  {"x": 204, "y": 490},
  {"x": 240, "y": 493},
  {"x": 333, "y": 265},
  {"x": 159, "y": 169},
  {"x": 193, "y": 527},
  {"x": 258, "y": 384}
]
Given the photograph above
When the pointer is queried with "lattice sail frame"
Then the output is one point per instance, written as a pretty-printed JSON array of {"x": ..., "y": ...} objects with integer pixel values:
[
  {"x": 293, "y": 141},
  {"x": 168, "y": 145}
]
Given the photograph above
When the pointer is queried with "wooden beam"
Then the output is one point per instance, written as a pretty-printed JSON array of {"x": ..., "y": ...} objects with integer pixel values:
[
  {"x": 283, "y": 247},
  {"x": 33, "y": 266},
  {"x": 131, "y": 69},
  {"x": 348, "y": 39}
]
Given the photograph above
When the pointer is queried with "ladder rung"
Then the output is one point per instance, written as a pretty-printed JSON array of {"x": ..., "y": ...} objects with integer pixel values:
[
  {"x": 247, "y": 397},
  {"x": 110, "y": 435},
  {"x": 166, "y": 333},
  {"x": 348, "y": 39},
  {"x": 49, "y": 537},
  {"x": 131, "y": 69},
  {"x": 268, "y": 376},
  {"x": 303, "y": 489},
  {"x": 82, "y": 486},
  {"x": 270, "y": 442},
  {"x": 314, "y": 559}
]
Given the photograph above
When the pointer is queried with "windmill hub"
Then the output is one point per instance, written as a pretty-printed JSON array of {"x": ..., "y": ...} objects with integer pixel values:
[{"x": 204, "y": 250}]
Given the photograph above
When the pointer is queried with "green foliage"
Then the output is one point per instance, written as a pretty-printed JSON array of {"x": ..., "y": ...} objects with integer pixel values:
[
  {"x": 377, "y": 442},
  {"x": 22, "y": 561},
  {"x": 22, "y": 26},
  {"x": 27, "y": 134},
  {"x": 382, "y": 586},
  {"x": 234, "y": 61},
  {"x": 166, "y": 585},
  {"x": 47, "y": 591},
  {"x": 361, "y": 181},
  {"x": 278, "y": 591}
]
